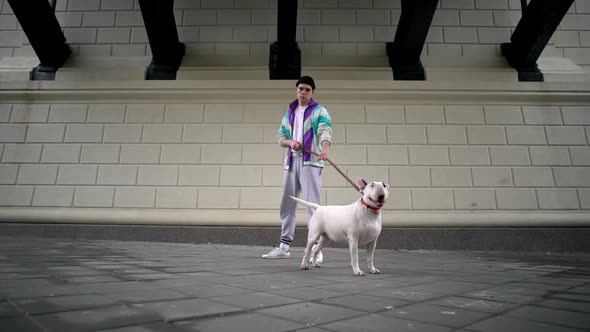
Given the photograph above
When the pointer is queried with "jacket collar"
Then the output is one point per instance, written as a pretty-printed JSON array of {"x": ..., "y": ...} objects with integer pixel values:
[{"x": 295, "y": 103}]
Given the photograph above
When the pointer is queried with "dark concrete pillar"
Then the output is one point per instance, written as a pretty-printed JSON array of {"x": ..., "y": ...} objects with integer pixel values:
[
  {"x": 285, "y": 56},
  {"x": 167, "y": 50},
  {"x": 44, "y": 33},
  {"x": 404, "y": 52},
  {"x": 539, "y": 20}
]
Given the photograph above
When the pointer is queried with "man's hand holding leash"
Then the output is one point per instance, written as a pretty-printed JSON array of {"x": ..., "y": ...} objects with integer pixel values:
[{"x": 325, "y": 151}]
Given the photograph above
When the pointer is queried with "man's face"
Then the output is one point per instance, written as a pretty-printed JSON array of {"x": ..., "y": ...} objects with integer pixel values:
[{"x": 304, "y": 92}]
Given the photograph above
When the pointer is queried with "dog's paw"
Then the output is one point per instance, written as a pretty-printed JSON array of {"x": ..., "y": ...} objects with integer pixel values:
[
  {"x": 374, "y": 271},
  {"x": 304, "y": 267},
  {"x": 358, "y": 273},
  {"x": 317, "y": 265}
]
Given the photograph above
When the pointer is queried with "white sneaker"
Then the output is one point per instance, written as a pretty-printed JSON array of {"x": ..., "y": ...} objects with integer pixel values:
[
  {"x": 320, "y": 255},
  {"x": 277, "y": 253}
]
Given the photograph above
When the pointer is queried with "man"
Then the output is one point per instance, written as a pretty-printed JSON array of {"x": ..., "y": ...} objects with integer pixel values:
[{"x": 306, "y": 126}]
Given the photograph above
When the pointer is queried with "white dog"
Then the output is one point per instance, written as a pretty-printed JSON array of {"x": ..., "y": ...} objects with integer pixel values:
[{"x": 358, "y": 223}]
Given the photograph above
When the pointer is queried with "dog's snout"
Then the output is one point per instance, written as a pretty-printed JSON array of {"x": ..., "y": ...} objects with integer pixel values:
[{"x": 381, "y": 197}]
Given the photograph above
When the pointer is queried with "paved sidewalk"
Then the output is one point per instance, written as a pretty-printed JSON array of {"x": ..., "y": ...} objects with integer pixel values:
[{"x": 79, "y": 285}]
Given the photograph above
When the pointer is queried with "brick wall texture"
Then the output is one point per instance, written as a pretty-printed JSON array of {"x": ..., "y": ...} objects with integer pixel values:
[
  {"x": 468, "y": 157},
  {"x": 225, "y": 156},
  {"x": 325, "y": 27}
]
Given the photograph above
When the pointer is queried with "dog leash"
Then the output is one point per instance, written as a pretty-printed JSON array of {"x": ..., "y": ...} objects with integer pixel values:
[{"x": 336, "y": 168}]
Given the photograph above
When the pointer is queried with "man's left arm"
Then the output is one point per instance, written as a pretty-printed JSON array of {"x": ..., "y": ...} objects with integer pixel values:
[
  {"x": 325, "y": 154},
  {"x": 325, "y": 133}
]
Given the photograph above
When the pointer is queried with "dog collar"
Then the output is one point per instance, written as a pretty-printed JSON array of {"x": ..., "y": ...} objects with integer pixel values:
[{"x": 369, "y": 206}]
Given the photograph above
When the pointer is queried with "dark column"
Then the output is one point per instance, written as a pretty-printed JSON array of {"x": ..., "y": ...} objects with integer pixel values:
[
  {"x": 285, "y": 56},
  {"x": 44, "y": 33},
  {"x": 538, "y": 22},
  {"x": 404, "y": 52},
  {"x": 167, "y": 51}
]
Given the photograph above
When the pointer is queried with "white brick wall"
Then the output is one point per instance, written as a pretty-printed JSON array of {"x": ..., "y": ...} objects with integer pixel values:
[
  {"x": 8, "y": 174},
  {"x": 516, "y": 198},
  {"x": 115, "y": 28},
  {"x": 84, "y": 133},
  {"x": 16, "y": 196},
  {"x": 67, "y": 113},
  {"x": 95, "y": 196},
  {"x": 21, "y": 153},
  {"x": 77, "y": 174},
  {"x": 474, "y": 199},
  {"x": 176, "y": 198},
  {"x": 225, "y": 156},
  {"x": 135, "y": 197},
  {"x": 63, "y": 153},
  {"x": 37, "y": 174},
  {"x": 53, "y": 196},
  {"x": 117, "y": 175}
]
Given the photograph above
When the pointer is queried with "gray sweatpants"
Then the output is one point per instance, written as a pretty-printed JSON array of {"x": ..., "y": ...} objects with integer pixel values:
[{"x": 296, "y": 179}]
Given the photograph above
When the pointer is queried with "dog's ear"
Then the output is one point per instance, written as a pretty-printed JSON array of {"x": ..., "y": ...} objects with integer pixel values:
[
  {"x": 385, "y": 185},
  {"x": 361, "y": 183}
]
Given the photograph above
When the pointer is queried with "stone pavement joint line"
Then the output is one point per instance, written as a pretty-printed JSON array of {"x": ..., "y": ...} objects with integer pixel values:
[{"x": 81, "y": 285}]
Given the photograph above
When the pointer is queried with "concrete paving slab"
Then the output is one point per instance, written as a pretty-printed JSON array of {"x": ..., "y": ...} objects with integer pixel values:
[
  {"x": 555, "y": 316},
  {"x": 564, "y": 304},
  {"x": 117, "y": 286},
  {"x": 21, "y": 283},
  {"x": 502, "y": 297},
  {"x": 505, "y": 323},
  {"x": 308, "y": 293},
  {"x": 91, "y": 279},
  {"x": 152, "y": 327},
  {"x": 523, "y": 288},
  {"x": 255, "y": 300},
  {"x": 19, "y": 324},
  {"x": 485, "y": 278},
  {"x": 95, "y": 319},
  {"x": 473, "y": 304},
  {"x": 311, "y": 313},
  {"x": 444, "y": 316},
  {"x": 63, "y": 303},
  {"x": 7, "y": 310},
  {"x": 186, "y": 308},
  {"x": 42, "y": 291},
  {"x": 186, "y": 287},
  {"x": 211, "y": 290},
  {"x": 365, "y": 303},
  {"x": 12, "y": 276},
  {"x": 147, "y": 295},
  {"x": 248, "y": 321},
  {"x": 312, "y": 329},
  {"x": 379, "y": 323},
  {"x": 582, "y": 289},
  {"x": 572, "y": 296}
]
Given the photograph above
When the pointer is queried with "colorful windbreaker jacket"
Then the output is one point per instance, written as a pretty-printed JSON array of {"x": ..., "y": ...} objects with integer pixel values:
[{"x": 317, "y": 127}]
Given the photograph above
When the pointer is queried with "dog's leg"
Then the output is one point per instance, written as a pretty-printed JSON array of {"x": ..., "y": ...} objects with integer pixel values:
[
  {"x": 324, "y": 240},
  {"x": 353, "y": 244},
  {"x": 370, "y": 251},
  {"x": 306, "y": 254},
  {"x": 311, "y": 239}
]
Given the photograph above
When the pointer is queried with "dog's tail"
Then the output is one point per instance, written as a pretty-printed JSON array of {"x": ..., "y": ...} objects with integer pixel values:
[{"x": 311, "y": 205}]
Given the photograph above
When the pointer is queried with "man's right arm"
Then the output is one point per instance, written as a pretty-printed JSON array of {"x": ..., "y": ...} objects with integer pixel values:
[{"x": 284, "y": 136}]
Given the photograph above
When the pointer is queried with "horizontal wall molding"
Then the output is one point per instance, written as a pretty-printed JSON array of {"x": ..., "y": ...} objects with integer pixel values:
[
  {"x": 264, "y": 218},
  {"x": 329, "y": 91},
  {"x": 523, "y": 239}
]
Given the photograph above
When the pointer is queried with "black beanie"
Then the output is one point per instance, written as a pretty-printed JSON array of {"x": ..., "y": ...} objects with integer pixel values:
[{"x": 306, "y": 80}]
